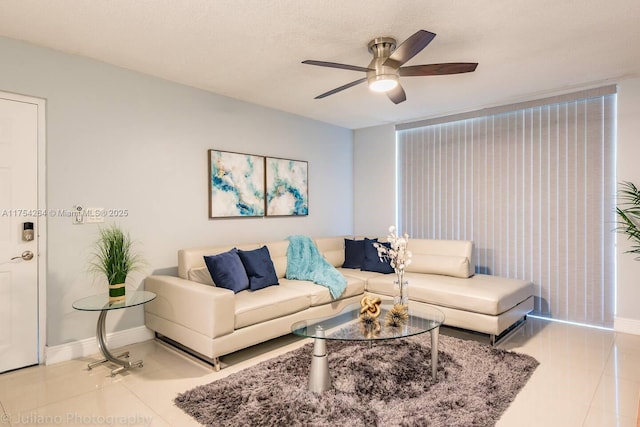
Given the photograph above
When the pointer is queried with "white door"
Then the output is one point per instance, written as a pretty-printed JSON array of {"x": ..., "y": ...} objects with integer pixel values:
[{"x": 18, "y": 205}]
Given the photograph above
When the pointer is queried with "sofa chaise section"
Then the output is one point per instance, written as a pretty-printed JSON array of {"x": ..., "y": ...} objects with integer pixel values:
[
  {"x": 442, "y": 274},
  {"x": 482, "y": 303}
]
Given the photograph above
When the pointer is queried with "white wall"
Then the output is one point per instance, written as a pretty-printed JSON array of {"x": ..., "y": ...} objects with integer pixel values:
[
  {"x": 374, "y": 180},
  {"x": 119, "y": 139},
  {"x": 374, "y": 161},
  {"x": 628, "y": 169}
]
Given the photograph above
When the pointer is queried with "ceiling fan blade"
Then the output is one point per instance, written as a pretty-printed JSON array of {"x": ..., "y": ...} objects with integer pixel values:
[
  {"x": 343, "y": 87},
  {"x": 397, "y": 95},
  {"x": 409, "y": 48},
  {"x": 438, "y": 69},
  {"x": 336, "y": 65}
]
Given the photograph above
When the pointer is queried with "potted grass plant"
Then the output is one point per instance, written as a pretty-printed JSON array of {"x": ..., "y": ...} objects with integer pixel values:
[
  {"x": 628, "y": 211},
  {"x": 115, "y": 259}
]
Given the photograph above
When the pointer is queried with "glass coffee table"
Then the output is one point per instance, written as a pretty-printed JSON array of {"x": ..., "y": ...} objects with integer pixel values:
[
  {"x": 101, "y": 303},
  {"x": 347, "y": 326}
]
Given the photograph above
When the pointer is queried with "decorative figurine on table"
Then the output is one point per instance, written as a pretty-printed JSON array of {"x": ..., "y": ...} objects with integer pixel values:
[
  {"x": 371, "y": 306},
  {"x": 397, "y": 316},
  {"x": 369, "y": 312}
]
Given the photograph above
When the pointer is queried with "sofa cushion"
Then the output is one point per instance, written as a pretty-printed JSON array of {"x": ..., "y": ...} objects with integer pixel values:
[
  {"x": 491, "y": 295},
  {"x": 268, "y": 303},
  {"x": 259, "y": 267},
  {"x": 194, "y": 257},
  {"x": 278, "y": 252},
  {"x": 353, "y": 253},
  {"x": 358, "y": 274},
  {"x": 334, "y": 257},
  {"x": 462, "y": 248},
  {"x": 320, "y": 295},
  {"x": 201, "y": 275},
  {"x": 446, "y": 265},
  {"x": 372, "y": 261},
  {"x": 227, "y": 271},
  {"x": 332, "y": 248}
]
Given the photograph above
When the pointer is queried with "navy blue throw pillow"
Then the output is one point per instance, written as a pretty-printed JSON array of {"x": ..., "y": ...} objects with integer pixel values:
[
  {"x": 259, "y": 268},
  {"x": 227, "y": 271},
  {"x": 372, "y": 261},
  {"x": 353, "y": 253}
]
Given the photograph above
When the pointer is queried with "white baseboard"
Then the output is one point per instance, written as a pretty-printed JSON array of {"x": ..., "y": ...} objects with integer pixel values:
[
  {"x": 89, "y": 346},
  {"x": 627, "y": 326}
]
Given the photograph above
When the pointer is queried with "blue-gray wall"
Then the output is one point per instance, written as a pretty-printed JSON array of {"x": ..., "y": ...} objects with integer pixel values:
[{"x": 120, "y": 139}]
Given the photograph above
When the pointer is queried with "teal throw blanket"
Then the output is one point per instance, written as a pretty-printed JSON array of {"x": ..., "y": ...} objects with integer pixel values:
[{"x": 305, "y": 262}]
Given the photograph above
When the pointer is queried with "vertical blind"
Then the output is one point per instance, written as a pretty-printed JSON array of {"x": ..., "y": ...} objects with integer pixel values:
[{"x": 533, "y": 188}]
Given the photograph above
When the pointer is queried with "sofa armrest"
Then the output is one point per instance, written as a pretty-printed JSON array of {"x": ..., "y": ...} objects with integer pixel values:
[{"x": 205, "y": 309}]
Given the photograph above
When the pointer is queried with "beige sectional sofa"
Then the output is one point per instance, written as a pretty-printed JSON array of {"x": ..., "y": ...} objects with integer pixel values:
[{"x": 211, "y": 321}]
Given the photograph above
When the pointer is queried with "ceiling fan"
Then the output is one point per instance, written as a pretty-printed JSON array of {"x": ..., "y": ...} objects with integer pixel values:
[{"x": 385, "y": 69}]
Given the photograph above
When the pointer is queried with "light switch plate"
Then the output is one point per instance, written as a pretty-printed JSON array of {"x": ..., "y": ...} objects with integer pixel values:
[
  {"x": 77, "y": 215},
  {"x": 94, "y": 215}
]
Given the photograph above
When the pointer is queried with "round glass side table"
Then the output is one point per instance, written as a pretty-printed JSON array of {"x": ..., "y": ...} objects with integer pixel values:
[{"x": 101, "y": 303}]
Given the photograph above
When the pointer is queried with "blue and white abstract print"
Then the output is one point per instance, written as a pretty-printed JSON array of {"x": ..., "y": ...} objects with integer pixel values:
[
  {"x": 237, "y": 184},
  {"x": 287, "y": 190}
]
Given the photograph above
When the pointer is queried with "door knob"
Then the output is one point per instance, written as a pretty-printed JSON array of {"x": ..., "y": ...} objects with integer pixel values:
[{"x": 26, "y": 255}]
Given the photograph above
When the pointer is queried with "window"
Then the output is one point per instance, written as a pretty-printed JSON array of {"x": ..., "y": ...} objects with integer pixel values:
[{"x": 533, "y": 186}]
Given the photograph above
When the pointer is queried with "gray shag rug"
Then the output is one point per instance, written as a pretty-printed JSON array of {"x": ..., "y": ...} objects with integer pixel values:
[{"x": 388, "y": 384}]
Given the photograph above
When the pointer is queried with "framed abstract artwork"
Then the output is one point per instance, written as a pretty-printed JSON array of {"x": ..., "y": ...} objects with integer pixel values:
[
  {"x": 236, "y": 185},
  {"x": 287, "y": 191}
]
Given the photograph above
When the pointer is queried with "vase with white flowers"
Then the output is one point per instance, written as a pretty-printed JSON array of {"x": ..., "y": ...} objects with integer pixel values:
[{"x": 399, "y": 258}]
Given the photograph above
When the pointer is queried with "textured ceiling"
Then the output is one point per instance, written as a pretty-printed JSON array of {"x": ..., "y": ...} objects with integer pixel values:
[{"x": 252, "y": 49}]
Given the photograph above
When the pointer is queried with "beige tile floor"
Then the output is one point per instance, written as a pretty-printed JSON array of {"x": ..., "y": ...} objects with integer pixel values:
[{"x": 587, "y": 377}]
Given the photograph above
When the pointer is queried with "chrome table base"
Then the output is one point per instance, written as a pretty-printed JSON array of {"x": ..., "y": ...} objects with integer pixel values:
[
  {"x": 319, "y": 378},
  {"x": 102, "y": 344},
  {"x": 435, "y": 333}
]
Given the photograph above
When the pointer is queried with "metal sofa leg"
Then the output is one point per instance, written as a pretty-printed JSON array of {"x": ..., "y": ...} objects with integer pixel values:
[
  {"x": 497, "y": 339},
  {"x": 215, "y": 361}
]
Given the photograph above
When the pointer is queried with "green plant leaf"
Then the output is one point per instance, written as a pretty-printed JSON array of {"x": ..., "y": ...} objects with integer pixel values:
[
  {"x": 628, "y": 211},
  {"x": 114, "y": 256}
]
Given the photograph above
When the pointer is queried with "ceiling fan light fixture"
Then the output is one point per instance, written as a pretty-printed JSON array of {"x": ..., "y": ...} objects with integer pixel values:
[
  {"x": 387, "y": 66},
  {"x": 383, "y": 83}
]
